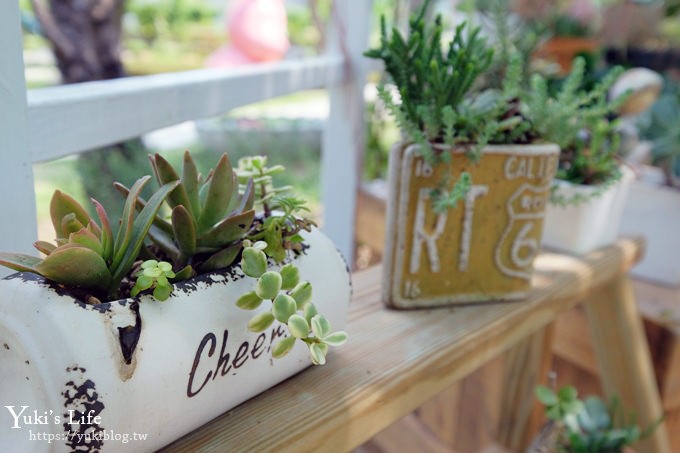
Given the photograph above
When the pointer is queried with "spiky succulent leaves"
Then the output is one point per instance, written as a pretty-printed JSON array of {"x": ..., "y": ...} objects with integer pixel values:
[
  {"x": 216, "y": 194},
  {"x": 106, "y": 236},
  {"x": 61, "y": 206},
  {"x": 134, "y": 229},
  {"x": 208, "y": 218},
  {"x": 427, "y": 77},
  {"x": 221, "y": 259},
  {"x": 184, "y": 230}
]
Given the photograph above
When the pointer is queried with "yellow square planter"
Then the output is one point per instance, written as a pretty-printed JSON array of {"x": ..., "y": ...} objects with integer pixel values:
[{"x": 481, "y": 250}]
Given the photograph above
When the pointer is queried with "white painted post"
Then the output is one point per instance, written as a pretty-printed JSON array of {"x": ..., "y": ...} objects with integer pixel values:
[
  {"x": 18, "y": 224},
  {"x": 343, "y": 141}
]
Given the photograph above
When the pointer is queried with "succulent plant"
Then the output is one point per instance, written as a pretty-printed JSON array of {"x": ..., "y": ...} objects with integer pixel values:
[
  {"x": 86, "y": 254},
  {"x": 209, "y": 218},
  {"x": 291, "y": 305},
  {"x": 282, "y": 224}
]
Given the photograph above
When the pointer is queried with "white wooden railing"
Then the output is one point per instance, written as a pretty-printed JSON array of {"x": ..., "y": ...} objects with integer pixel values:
[{"x": 43, "y": 124}]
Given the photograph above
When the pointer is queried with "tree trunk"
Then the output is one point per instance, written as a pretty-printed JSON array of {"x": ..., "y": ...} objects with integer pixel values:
[{"x": 85, "y": 36}]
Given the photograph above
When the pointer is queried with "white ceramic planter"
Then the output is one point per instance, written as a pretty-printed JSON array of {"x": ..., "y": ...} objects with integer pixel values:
[
  {"x": 63, "y": 365},
  {"x": 582, "y": 227},
  {"x": 653, "y": 211}
]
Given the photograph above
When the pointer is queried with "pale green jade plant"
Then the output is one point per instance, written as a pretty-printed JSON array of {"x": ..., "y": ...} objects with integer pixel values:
[{"x": 290, "y": 304}]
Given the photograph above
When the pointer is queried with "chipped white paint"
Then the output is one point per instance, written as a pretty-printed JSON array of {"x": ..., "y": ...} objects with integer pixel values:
[{"x": 189, "y": 366}]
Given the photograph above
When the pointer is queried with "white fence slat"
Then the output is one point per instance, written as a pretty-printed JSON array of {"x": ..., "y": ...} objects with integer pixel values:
[
  {"x": 74, "y": 118},
  {"x": 343, "y": 141},
  {"x": 18, "y": 225}
]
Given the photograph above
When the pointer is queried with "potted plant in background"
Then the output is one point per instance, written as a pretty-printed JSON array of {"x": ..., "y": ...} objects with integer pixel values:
[
  {"x": 447, "y": 240},
  {"x": 654, "y": 193},
  {"x": 591, "y": 184},
  {"x": 581, "y": 426},
  {"x": 85, "y": 340}
]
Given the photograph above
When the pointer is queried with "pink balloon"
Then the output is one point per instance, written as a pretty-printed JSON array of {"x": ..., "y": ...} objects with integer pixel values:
[
  {"x": 259, "y": 29},
  {"x": 227, "y": 56}
]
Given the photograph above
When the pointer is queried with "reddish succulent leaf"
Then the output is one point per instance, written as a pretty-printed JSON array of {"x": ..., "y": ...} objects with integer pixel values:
[
  {"x": 61, "y": 205},
  {"x": 76, "y": 266},
  {"x": 106, "y": 235},
  {"x": 44, "y": 247},
  {"x": 19, "y": 262},
  {"x": 87, "y": 239}
]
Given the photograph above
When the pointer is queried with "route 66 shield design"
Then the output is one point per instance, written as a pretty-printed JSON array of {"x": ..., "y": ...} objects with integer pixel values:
[{"x": 479, "y": 250}]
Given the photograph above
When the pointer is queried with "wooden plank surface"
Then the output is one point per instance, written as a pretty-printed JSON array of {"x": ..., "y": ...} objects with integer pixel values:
[
  {"x": 623, "y": 357},
  {"x": 397, "y": 360}
]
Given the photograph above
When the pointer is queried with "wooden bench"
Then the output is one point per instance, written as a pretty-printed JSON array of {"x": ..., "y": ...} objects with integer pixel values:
[{"x": 397, "y": 360}]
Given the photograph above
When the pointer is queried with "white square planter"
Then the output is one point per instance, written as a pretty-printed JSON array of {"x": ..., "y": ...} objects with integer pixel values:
[
  {"x": 588, "y": 225},
  {"x": 66, "y": 363},
  {"x": 653, "y": 211}
]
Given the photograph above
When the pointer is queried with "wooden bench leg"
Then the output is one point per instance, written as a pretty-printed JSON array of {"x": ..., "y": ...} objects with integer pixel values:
[
  {"x": 526, "y": 365},
  {"x": 623, "y": 357}
]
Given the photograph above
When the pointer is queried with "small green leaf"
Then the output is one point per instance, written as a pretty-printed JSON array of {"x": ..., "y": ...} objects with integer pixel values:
[
  {"x": 546, "y": 396},
  {"x": 336, "y": 338},
  {"x": 283, "y": 347},
  {"x": 283, "y": 307},
  {"x": 253, "y": 262},
  {"x": 162, "y": 292},
  {"x": 302, "y": 293},
  {"x": 317, "y": 353},
  {"x": 290, "y": 276},
  {"x": 567, "y": 393},
  {"x": 298, "y": 326},
  {"x": 261, "y": 322},
  {"x": 320, "y": 326},
  {"x": 144, "y": 282},
  {"x": 268, "y": 285},
  {"x": 44, "y": 247},
  {"x": 309, "y": 311},
  {"x": 249, "y": 301}
]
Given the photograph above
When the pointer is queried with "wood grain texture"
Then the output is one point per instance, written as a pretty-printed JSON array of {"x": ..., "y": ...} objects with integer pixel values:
[
  {"x": 527, "y": 365},
  {"x": 623, "y": 356},
  {"x": 397, "y": 360}
]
